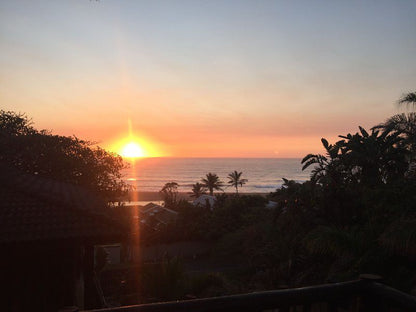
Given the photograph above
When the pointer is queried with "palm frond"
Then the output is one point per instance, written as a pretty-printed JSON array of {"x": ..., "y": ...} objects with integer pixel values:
[
  {"x": 307, "y": 157},
  {"x": 400, "y": 237},
  {"x": 330, "y": 241},
  {"x": 408, "y": 99}
]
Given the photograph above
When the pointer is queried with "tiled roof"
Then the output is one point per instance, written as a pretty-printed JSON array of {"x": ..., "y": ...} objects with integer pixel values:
[
  {"x": 38, "y": 209},
  {"x": 155, "y": 215}
]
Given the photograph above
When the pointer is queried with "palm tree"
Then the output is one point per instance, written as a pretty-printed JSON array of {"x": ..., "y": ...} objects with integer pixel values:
[
  {"x": 198, "y": 189},
  {"x": 212, "y": 182},
  {"x": 408, "y": 99},
  {"x": 236, "y": 180}
]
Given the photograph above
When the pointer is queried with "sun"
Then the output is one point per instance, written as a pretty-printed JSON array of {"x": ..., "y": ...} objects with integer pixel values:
[
  {"x": 132, "y": 150},
  {"x": 133, "y": 146}
]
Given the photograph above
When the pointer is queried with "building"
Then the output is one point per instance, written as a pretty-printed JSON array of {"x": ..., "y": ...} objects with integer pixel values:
[
  {"x": 157, "y": 216},
  {"x": 48, "y": 230},
  {"x": 207, "y": 201}
]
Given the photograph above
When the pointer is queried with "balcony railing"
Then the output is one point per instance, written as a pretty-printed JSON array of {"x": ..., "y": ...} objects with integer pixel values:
[{"x": 353, "y": 296}]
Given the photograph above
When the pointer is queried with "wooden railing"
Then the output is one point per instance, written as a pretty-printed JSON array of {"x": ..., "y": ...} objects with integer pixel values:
[{"x": 353, "y": 296}]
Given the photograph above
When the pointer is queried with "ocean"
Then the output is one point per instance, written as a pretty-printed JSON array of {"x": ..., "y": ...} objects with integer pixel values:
[{"x": 264, "y": 175}]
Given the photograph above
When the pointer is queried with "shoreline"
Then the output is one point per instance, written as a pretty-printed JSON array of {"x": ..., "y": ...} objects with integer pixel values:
[{"x": 157, "y": 196}]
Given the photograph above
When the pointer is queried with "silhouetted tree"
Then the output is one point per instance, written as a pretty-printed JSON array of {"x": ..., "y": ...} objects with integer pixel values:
[
  {"x": 15, "y": 124},
  {"x": 373, "y": 158},
  {"x": 170, "y": 194},
  {"x": 212, "y": 182},
  {"x": 198, "y": 189},
  {"x": 236, "y": 180},
  {"x": 63, "y": 158}
]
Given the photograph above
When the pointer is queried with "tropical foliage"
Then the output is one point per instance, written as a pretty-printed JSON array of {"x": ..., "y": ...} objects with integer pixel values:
[{"x": 367, "y": 158}]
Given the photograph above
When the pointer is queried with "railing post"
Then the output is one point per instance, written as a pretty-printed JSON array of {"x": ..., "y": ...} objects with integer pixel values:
[
  {"x": 306, "y": 307},
  {"x": 69, "y": 309},
  {"x": 332, "y": 306},
  {"x": 284, "y": 308},
  {"x": 369, "y": 302}
]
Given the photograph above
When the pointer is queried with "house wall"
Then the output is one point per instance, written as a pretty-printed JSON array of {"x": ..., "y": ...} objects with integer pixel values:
[{"x": 114, "y": 252}]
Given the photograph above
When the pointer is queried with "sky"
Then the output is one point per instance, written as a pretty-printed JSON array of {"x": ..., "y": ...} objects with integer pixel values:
[{"x": 207, "y": 78}]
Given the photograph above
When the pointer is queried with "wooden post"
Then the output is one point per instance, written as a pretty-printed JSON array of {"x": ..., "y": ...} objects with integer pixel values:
[
  {"x": 306, "y": 307},
  {"x": 69, "y": 309},
  {"x": 371, "y": 277},
  {"x": 332, "y": 306},
  {"x": 369, "y": 302},
  {"x": 90, "y": 296}
]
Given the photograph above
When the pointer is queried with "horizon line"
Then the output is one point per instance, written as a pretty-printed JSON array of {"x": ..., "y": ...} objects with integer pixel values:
[{"x": 207, "y": 157}]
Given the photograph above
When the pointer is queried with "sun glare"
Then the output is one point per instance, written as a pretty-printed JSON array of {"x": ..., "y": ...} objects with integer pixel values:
[
  {"x": 134, "y": 146},
  {"x": 132, "y": 150}
]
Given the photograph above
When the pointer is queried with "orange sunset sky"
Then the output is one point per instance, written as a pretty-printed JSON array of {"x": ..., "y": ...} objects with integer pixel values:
[{"x": 207, "y": 78}]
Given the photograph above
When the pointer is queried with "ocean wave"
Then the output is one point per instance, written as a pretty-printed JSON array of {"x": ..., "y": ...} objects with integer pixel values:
[{"x": 274, "y": 186}]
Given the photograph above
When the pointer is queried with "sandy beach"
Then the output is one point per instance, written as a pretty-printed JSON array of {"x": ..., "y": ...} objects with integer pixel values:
[{"x": 157, "y": 196}]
